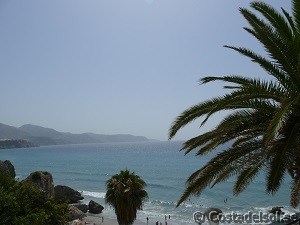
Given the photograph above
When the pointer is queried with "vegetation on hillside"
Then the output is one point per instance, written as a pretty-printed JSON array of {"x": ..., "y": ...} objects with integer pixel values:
[{"x": 22, "y": 203}]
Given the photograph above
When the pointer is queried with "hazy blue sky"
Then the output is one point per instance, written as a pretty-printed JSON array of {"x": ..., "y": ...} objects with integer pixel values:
[{"x": 116, "y": 66}]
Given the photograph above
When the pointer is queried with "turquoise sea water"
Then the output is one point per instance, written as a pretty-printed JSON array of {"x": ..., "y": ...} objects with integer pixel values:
[{"x": 86, "y": 168}]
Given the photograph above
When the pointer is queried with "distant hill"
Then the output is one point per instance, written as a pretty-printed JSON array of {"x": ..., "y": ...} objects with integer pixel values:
[
  {"x": 46, "y": 136},
  {"x": 9, "y": 132}
]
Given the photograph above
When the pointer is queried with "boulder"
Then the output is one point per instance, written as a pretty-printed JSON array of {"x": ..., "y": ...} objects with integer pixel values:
[
  {"x": 277, "y": 210},
  {"x": 7, "y": 167},
  {"x": 67, "y": 193},
  {"x": 81, "y": 207},
  {"x": 10, "y": 167},
  {"x": 95, "y": 208},
  {"x": 42, "y": 180},
  {"x": 74, "y": 213}
]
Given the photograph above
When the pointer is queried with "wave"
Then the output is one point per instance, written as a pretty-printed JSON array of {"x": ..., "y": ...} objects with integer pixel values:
[
  {"x": 85, "y": 173},
  {"x": 93, "y": 194},
  {"x": 86, "y": 179},
  {"x": 158, "y": 202},
  {"x": 161, "y": 186}
]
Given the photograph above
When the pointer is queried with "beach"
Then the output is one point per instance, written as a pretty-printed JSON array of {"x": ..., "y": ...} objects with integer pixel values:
[
  {"x": 93, "y": 220},
  {"x": 97, "y": 220}
]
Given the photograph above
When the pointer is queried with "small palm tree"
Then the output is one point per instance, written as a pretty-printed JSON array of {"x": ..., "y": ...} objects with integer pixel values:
[
  {"x": 264, "y": 115},
  {"x": 126, "y": 194}
]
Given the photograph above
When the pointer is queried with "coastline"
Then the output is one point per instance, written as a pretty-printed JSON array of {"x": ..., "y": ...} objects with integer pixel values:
[
  {"x": 97, "y": 220},
  {"x": 86, "y": 168}
]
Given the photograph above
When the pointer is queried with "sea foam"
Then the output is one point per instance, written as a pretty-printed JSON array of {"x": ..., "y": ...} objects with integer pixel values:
[{"x": 93, "y": 194}]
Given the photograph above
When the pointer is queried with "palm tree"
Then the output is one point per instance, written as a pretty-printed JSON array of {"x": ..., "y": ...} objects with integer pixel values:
[
  {"x": 126, "y": 194},
  {"x": 263, "y": 121}
]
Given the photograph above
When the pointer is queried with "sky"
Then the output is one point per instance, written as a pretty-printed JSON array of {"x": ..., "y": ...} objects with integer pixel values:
[{"x": 118, "y": 66}]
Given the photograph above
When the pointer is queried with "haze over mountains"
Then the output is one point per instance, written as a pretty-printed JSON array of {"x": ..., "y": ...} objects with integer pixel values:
[{"x": 46, "y": 136}]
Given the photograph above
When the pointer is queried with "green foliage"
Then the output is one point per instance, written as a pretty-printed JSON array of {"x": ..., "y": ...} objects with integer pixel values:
[
  {"x": 126, "y": 194},
  {"x": 22, "y": 203},
  {"x": 264, "y": 115}
]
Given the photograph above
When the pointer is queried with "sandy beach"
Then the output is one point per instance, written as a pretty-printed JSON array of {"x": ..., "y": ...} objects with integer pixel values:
[{"x": 97, "y": 220}]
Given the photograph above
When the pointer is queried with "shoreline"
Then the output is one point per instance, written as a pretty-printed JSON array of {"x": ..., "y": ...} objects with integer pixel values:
[
  {"x": 87, "y": 167},
  {"x": 97, "y": 220}
]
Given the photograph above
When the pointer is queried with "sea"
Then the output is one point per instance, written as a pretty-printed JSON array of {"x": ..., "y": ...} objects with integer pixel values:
[{"x": 161, "y": 164}]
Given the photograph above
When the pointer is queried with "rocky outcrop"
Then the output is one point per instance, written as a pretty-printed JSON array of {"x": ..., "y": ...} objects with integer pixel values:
[
  {"x": 67, "y": 193},
  {"x": 95, "y": 208},
  {"x": 7, "y": 167},
  {"x": 82, "y": 207},
  {"x": 74, "y": 213},
  {"x": 43, "y": 181}
]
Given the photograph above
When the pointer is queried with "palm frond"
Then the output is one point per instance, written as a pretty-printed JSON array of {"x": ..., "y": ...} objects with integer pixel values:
[
  {"x": 263, "y": 121},
  {"x": 267, "y": 65},
  {"x": 279, "y": 159},
  {"x": 202, "y": 178},
  {"x": 277, "y": 49},
  {"x": 278, "y": 120},
  {"x": 296, "y": 14},
  {"x": 246, "y": 176},
  {"x": 277, "y": 20},
  {"x": 290, "y": 20}
]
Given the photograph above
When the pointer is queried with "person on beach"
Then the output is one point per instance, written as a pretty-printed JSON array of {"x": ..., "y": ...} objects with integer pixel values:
[
  {"x": 156, "y": 223},
  {"x": 169, "y": 216},
  {"x": 225, "y": 200},
  {"x": 147, "y": 219},
  {"x": 102, "y": 219},
  {"x": 165, "y": 217}
]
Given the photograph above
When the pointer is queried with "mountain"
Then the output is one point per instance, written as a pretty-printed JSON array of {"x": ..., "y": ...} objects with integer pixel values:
[
  {"x": 46, "y": 136},
  {"x": 7, "y": 132},
  {"x": 38, "y": 131}
]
